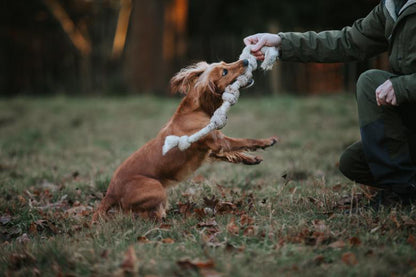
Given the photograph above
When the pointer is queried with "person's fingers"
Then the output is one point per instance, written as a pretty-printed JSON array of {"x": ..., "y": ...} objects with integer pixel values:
[
  {"x": 394, "y": 101},
  {"x": 389, "y": 97},
  {"x": 382, "y": 98},
  {"x": 250, "y": 40},
  {"x": 378, "y": 91},
  {"x": 258, "y": 55},
  {"x": 259, "y": 44}
]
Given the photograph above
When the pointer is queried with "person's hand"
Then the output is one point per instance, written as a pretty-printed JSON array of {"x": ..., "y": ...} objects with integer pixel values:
[
  {"x": 385, "y": 94},
  {"x": 262, "y": 39}
]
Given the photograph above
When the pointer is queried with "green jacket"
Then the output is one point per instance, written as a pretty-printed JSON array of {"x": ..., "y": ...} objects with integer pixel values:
[{"x": 379, "y": 31}]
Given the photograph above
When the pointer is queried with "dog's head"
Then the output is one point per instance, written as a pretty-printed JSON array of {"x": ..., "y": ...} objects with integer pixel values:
[{"x": 205, "y": 83}]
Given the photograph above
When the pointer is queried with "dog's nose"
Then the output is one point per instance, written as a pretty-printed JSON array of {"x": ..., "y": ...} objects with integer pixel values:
[{"x": 245, "y": 62}]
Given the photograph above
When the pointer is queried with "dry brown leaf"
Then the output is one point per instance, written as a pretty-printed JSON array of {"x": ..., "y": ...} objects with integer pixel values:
[
  {"x": 354, "y": 241},
  {"x": 231, "y": 248},
  {"x": 168, "y": 240},
  {"x": 165, "y": 226},
  {"x": 337, "y": 187},
  {"x": 211, "y": 203},
  {"x": 411, "y": 240},
  {"x": 250, "y": 231},
  {"x": 349, "y": 258},
  {"x": 23, "y": 239},
  {"x": 393, "y": 217},
  {"x": 225, "y": 207},
  {"x": 200, "y": 213},
  {"x": 196, "y": 264},
  {"x": 319, "y": 259},
  {"x": 33, "y": 229},
  {"x": 209, "y": 272},
  {"x": 16, "y": 261},
  {"x": 130, "y": 262},
  {"x": 407, "y": 221},
  {"x": 198, "y": 179},
  {"x": 246, "y": 220},
  {"x": 186, "y": 208},
  {"x": 105, "y": 254},
  {"x": 319, "y": 225},
  {"x": 337, "y": 244},
  {"x": 207, "y": 224},
  {"x": 143, "y": 239},
  {"x": 232, "y": 227}
]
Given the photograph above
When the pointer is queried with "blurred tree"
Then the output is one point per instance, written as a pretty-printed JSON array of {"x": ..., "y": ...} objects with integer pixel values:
[{"x": 39, "y": 53}]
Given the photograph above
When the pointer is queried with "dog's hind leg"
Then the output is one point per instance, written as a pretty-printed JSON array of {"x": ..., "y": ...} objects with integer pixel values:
[
  {"x": 144, "y": 196},
  {"x": 107, "y": 202}
]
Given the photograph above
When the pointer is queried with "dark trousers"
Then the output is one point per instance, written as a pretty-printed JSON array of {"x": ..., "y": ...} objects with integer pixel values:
[{"x": 386, "y": 155}]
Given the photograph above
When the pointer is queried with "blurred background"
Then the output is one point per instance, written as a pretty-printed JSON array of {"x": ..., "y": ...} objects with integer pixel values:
[{"x": 101, "y": 47}]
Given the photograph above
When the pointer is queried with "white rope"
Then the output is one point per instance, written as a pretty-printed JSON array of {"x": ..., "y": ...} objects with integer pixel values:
[{"x": 229, "y": 97}]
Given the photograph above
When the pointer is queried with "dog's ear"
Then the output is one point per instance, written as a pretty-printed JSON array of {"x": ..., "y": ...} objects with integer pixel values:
[
  {"x": 211, "y": 86},
  {"x": 183, "y": 80}
]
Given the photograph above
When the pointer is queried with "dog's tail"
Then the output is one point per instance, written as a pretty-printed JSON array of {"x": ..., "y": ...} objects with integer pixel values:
[{"x": 103, "y": 208}]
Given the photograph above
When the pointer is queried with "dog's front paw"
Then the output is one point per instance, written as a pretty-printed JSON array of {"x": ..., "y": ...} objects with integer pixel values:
[
  {"x": 250, "y": 160},
  {"x": 271, "y": 141}
]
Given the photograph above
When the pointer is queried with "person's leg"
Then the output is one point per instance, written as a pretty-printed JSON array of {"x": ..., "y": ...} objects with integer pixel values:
[
  {"x": 354, "y": 166},
  {"x": 384, "y": 137}
]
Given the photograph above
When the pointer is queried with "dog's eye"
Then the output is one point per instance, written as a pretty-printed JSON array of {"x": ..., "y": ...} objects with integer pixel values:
[{"x": 224, "y": 72}]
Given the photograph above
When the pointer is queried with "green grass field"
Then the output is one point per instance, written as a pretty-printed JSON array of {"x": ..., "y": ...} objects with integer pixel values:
[{"x": 287, "y": 216}]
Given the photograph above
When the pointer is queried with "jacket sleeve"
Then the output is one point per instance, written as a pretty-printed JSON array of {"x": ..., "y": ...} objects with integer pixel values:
[
  {"x": 366, "y": 38},
  {"x": 405, "y": 88}
]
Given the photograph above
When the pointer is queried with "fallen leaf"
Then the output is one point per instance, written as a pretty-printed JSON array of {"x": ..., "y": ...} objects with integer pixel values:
[
  {"x": 411, "y": 240},
  {"x": 231, "y": 248},
  {"x": 232, "y": 227},
  {"x": 200, "y": 213},
  {"x": 143, "y": 239},
  {"x": 349, "y": 258},
  {"x": 105, "y": 254},
  {"x": 165, "y": 226},
  {"x": 319, "y": 225},
  {"x": 393, "y": 217},
  {"x": 16, "y": 261},
  {"x": 337, "y": 187},
  {"x": 246, "y": 220},
  {"x": 198, "y": 179},
  {"x": 186, "y": 208},
  {"x": 225, "y": 207},
  {"x": 319, "y": 259},
  {"x": 207, "y": 272},
  {"x": 208, "y": 223},
  {"x": 250, "y": 231},
  {"x": 168, "y": 240},
  {"x": 130, "y": 262},
  {"x": 23, "y": 239},
  {"x": 211, "y": 203},
  {"x": 354, "y": 241},
  {"x": 407, "y": 221},
  {"x": 195, "y": 264},
  {"x": 337, "y": 244}
]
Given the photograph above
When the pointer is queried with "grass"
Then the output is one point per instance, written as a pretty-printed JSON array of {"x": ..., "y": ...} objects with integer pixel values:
[{"x": 57, "y": 156}]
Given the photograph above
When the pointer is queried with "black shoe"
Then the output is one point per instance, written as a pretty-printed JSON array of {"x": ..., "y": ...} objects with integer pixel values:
[{"x": 390, "y": 198}]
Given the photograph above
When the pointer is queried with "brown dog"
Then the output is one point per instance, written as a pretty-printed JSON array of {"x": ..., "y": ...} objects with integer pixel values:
[{"x": 139, "y": 183}]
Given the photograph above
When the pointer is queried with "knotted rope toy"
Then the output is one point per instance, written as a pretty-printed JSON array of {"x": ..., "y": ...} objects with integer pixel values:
[{"x": 229, "y": 97}]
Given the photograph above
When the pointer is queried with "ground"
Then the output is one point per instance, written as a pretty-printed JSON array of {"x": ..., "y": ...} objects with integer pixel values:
[{"x": 290, "y": 215}]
